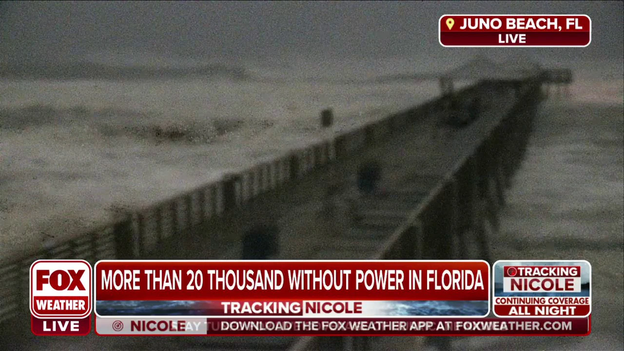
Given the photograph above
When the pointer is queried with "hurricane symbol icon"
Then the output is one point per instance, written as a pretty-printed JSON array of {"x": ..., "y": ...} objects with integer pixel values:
[{"x": 118, "y": 325}]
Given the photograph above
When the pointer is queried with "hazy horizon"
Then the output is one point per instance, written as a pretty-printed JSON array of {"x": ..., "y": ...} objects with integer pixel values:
[{"x": 275, "y": 31}]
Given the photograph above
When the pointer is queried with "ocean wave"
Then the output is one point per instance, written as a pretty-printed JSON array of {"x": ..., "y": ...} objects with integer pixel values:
[
  {"x": 89, "y": 70},
  {"x": 115, "y": 123},
  {"x": 34, "y": 115},
  {"x": 407, "y": 77},
  {"x": 186, "y": 132}
]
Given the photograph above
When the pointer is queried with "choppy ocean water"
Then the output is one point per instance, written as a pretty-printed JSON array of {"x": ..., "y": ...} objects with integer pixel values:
[{"x": 72, "y": 151}]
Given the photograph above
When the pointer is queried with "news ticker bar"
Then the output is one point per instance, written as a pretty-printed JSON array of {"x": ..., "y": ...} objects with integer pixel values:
[
  {"x": 196, "y": 326},
  {"x": 344, "y": 326},
  {"x": 63, "y": 292},
  {"x": 507, "y": 30}
]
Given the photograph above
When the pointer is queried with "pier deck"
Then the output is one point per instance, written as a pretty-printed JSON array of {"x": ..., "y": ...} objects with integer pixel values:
[{"x": 416, "y": 166}]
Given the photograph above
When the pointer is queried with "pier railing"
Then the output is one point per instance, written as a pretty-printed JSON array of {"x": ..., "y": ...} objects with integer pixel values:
[
  {"x": 437, "y": 227},
  {"x": 138, "y": 233}
]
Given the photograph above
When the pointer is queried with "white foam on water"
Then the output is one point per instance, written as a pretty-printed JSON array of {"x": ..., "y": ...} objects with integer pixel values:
[
  {"x": 76, "y": 150},
  {"x": 567, "y": 202}
]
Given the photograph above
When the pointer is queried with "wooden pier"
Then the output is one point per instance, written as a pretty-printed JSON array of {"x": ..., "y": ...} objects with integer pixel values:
[{"x": 440, "y": 187}]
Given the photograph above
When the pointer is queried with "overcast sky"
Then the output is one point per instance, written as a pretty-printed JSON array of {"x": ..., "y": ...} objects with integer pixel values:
[{"x": 261, "y": 29}]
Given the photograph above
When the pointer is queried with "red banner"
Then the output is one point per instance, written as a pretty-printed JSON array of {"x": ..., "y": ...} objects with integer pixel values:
[
  {"x": 515, "y": 30},
  {"x": 60, "y": 327},
  {"x": 542, "y": 271},
  {"x": 292, "y": 280},
  {"x": 542, "y": 310}
]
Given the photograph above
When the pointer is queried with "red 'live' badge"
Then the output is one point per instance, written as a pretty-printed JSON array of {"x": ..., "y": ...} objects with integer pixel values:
[{"x": 61, "y": 297}]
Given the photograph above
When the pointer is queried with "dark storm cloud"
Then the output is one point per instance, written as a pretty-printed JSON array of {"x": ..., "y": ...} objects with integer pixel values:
[{"x": 261, "y": 29}]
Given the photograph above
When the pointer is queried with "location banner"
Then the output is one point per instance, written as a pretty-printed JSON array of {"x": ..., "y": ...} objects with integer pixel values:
[{"x": 469, "y": 30}]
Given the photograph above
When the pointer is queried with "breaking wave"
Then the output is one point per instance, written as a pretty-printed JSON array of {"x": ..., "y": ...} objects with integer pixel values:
[
  {"x": 115, "y": 123},
  {"x": 101, "y": 71}
]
